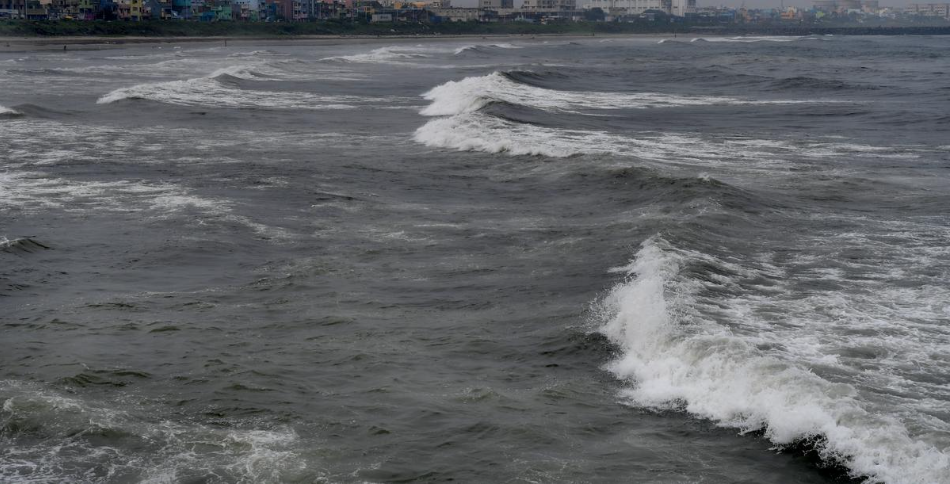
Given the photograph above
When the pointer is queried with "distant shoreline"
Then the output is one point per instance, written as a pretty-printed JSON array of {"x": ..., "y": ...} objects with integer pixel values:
[
  {"x": 97, "y": 42},
  {"x": 45, "y": 35},
  {"x": 8, "y": 44}
]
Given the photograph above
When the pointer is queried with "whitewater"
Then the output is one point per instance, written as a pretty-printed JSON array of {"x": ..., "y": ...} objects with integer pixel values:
[{"x": 719, "y": 259}]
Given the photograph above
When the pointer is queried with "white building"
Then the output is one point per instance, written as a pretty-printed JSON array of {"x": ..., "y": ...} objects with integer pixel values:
[
  {"x": 457, "y": 14},
  {"x": 939, "y": 10},
  {"x": 626, "y": 7},
  {"x": 678, "y": 8},
  {"x": 549, "y": 5}
]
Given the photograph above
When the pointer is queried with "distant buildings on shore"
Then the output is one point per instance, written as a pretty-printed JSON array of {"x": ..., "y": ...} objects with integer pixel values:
[
  {"x": 422, "y": 11},
  {"x": 873, "y": 7},
  {"x": 621, "y": 8}
]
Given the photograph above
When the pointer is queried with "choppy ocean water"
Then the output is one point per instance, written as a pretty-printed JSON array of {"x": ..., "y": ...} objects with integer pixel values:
[{"x": 521, "y": 260}]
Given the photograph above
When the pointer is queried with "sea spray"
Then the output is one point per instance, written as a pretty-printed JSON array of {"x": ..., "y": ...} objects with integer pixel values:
[{"x": 677, "y": 359}]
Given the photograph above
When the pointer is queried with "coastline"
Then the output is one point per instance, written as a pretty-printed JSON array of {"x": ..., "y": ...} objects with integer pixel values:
[
  {"x": 41, "y": 35},
  {"x": 15, "y": 44},
  {"x": 98, "y": 42}
]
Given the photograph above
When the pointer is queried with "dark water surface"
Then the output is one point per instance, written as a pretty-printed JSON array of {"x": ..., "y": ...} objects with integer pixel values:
[{"x": 593, "y": 260}]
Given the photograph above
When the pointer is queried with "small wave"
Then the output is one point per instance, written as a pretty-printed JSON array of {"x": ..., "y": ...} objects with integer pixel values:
[
  {"x": 163, "y": 55},
  {"x": 480, "y": 48},
  {"x": 677, "y": 359},
  {"x": 467, "y": 48},
  {"x": 750, "y": 39},
  {"x": 35, "y": 111},
  {"x": 24, "y": 245},
  {"x": 7, "y": 112},
  {"x": 219, "y": 90},
  {"x": 812, "y": 83},
  {"x": 240, "y": 72},
  {"x": 257, "y": 53},
  {"x": 382, "y": 55}
]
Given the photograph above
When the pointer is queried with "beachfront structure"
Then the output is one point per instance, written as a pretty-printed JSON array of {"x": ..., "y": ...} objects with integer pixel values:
[
  {"x": 938, "y": 10},
  {"x": 549, "y": 6},
  {"x": 843, "y": 6},
  {"x": 13, "y": 8},
  {"x": 456, "y": 14},
  {"x": 681, "y": 8},
  {"x": 621, "y": 8}
]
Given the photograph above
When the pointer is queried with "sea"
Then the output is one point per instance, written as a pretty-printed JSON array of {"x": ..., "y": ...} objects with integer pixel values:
[{"x": 483, "y": 260}]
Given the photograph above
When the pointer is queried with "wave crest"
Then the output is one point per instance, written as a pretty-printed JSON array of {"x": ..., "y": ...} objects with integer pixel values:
[
  {"x": 382, "y": 55},
  {"x": 220, "y": 89},
  {"x": 484, "y": 49},
  {"x": 473, "y": 93},
  {"x": 752, "y": 39},
  {"x": 676, "y": 359}
]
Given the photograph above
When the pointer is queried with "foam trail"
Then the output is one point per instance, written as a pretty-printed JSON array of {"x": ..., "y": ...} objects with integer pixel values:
[
  {"x": 173, "y": 452},
  {"x": 750, "y": 39},
  {"x": 503, "y": 45},
  {"x": 7, "y": 111},
  {"x": 489, "y": 134},
  {"x": 212, "y": 91},
  {"x": 480, "y": 132},
  {"x": 383, "y": 55},
  {"x": 677, "y": 359},
  {"x": 473, "y": 93}
]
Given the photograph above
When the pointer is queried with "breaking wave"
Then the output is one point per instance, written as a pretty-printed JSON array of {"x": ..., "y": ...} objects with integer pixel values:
[
  {"x": 482, "y": 132},
  {"x": 219, "y": 90},
  {"x": 484, "y": 49},
  {"x": 678, "y": 358},
  {"x": 752, "y": 39},
  {"x": 23, "y": 245},
  {"x": 473, "y": 93},
  {"x": 5, "y": 111},
  {"x": 383, "y": 55},
  {"x": 471, "y": 115}
]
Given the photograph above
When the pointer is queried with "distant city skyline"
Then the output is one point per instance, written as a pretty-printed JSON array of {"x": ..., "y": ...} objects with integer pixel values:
[{"x": 736, "y": 3}]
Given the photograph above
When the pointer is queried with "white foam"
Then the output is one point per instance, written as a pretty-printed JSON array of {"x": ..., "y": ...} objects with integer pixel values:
[
  {"x": 8, "y": 111},
  {"x": 750, "y": 39},
  {"x": 36, "y": 190},
  {"x": 258, "y": 53},
  {"x": 210, "y": 91},
  {"x": 168, "y": 451},
  {"x": 677, "y": 356},
  {"x": 503, "y": 45},
  {"x": 473, "y": 93},
  {"x": 464, "y": 49},
  {"x": 384, "y": 55},
  {"x": 479, "y": 132},
  {"x": 473, "y": 130}
]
